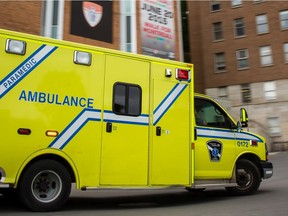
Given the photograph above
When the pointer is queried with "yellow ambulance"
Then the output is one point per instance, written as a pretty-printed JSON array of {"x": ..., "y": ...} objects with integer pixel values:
[{"x": 100, "y": 118}]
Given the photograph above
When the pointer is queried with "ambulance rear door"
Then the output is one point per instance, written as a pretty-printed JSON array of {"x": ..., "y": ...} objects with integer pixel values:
[{"x": 170, "y": 150}]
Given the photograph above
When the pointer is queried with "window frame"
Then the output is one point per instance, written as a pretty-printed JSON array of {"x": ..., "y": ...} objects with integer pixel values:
[
  {"x": 273, "y": 122},
  {"x": 263, "y": 23},
  {"x": 223, "y": 92},
  {"x": 246, "y": 93},
  {"x": 241, "y": 59},
  {"x": 215, "y": 3},
  {"x": 238, "y": 28},
  {"x": 283, "y": 21},
  {"x": 126, "y": 99},
  {"x": 264, "y": 57},
  {"x": 219, "y": 64},
  {"x": 217, "y": 31},
  {"x": 236, "y": 3},
  {"x": 285, "y": 50},
  {"x": 270, "y": 93}
]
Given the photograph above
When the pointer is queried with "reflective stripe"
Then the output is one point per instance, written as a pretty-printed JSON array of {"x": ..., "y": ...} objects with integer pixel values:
[
  {"x": 139, "y": 120},
  {"x": 26, "y": 67},
  {"x": 225, "y": 134},
  {"x": 167, "y": 102},
  {"x": 95, "y": 115},
  {"x": 72, "y": 129}
]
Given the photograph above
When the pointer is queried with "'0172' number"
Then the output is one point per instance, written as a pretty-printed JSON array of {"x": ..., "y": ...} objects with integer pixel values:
[{"x": 243, "y": 144}]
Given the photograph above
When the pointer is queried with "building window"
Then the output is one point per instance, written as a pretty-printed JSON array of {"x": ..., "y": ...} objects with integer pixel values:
[
  {"x": 217, "y": 31},
  {"x": 246, "y": 93},
  {"x": 239, "y": 27},
  {"x": 274, "y": 126},
  {"x": 270, "y": 90},
  {"x": 53, "y": 19},
  {"x": 222, "y": 92},
  {"x": 220, "y": 64},
  {"x": 127, "y": 99},
  {"x": 236, "y": 3},
  {"x": 257, "y": 1},
  {"x": 285, "y": 47},
  {"x": 242, "y": 58},
  {"x": 284, "y": 19},
  {"x": 262, "y": 24},
  {"x": 128, "y": 39},
  {"x": 215, "y": 5},
  {"x": 266, "y": 55}
]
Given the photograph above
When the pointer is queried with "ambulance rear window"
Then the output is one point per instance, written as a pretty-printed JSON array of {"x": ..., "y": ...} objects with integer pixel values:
[{"x": 127, "y": 99}]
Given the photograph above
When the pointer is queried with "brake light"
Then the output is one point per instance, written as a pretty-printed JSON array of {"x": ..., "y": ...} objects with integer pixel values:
[
  {"x": 24, "y": 131},
  {"x": 182, "y": 74}
]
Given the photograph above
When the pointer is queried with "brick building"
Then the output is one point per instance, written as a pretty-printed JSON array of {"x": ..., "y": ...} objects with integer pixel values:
[
  {"x": 240, "y": 52},
  {"x": 145, "y": 27}
]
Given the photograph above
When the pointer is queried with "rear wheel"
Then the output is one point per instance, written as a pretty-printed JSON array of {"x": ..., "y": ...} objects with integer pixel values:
[
  {"x": 247, "y": 177},
  {"x": 45, "y": 186}
]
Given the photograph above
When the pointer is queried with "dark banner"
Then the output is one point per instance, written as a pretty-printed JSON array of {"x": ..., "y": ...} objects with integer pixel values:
[{"x": 92, "y": 19}]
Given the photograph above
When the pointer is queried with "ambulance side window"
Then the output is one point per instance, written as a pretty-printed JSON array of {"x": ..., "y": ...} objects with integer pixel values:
[
  {"x": 127, "y": 99},
  {"x": 209, "y": 114}
]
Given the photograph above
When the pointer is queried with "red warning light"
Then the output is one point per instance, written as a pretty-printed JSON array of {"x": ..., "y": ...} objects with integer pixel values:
[{"x": 182, "y": 74}]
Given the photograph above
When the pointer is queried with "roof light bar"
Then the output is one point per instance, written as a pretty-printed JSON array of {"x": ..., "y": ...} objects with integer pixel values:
[
  {"x": 83, "y": 58},
  {"x": 15, "y": 47}
]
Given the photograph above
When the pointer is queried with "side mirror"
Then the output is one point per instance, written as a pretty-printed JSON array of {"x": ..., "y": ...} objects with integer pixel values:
[{"x": 243, "y": 117}]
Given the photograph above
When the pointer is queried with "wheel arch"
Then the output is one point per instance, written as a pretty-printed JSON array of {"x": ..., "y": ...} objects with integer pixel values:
[
  {"x": 56, "y": 156},
  {"x": 253, "y": 158}
]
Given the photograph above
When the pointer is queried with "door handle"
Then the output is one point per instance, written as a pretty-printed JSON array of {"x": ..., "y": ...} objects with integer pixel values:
[
  {"x": 158, "y": 131},
  {"x": 109, "y": 127}
]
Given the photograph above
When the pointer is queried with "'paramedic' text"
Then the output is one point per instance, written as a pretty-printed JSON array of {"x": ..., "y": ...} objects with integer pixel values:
[{"x": 19, "y": 73}]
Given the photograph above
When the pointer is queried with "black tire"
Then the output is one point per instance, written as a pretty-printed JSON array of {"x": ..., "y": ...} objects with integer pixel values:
[
  {"x": 44, "y": 186},
  {"x": 247, "y": 177}
]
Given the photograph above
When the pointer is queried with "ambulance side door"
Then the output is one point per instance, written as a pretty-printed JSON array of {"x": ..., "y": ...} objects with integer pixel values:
[
  {"x": 124, "y": 152},
  {"x": 215, "y": 144}
]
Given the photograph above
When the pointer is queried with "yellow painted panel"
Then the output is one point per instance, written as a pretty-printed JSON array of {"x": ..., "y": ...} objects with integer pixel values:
[
  {"x": 205, "y": 166},
  {"x": 170, "y": 153},
  {"x": 124, "y": 157}
]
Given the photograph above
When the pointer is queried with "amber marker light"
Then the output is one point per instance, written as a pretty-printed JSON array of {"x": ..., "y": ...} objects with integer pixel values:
[{"x": 51, "y": 133}]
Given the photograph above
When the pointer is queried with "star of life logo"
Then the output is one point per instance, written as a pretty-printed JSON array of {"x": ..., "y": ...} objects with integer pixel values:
[
  {"x": 215, "y": 150},
  {"x": 92, "y": 13}
]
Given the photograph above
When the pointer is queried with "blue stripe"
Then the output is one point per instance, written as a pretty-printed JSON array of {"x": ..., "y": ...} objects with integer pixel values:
[
  {"x": 229, "y": 131},
  {"x": 165, "y": 98},
  {"x": 109, "y": 111},
  {"x": 81, "y": 126},
  {"x": 126, "y": 122},
  {"x": 216, "y": 137},
  {"x": 28, "y": 72},
  {"x": 74, "y": 134},
  {"x": 164, "y": 112}
]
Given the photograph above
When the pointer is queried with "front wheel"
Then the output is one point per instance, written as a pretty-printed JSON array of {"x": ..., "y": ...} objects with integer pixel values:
[
  {"x": 45, "y": 186},
  {"x": 247, "y": 177}
]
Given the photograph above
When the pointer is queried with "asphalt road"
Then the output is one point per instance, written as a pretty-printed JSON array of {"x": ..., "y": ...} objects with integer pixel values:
[{"x": 271, "y": 199}]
